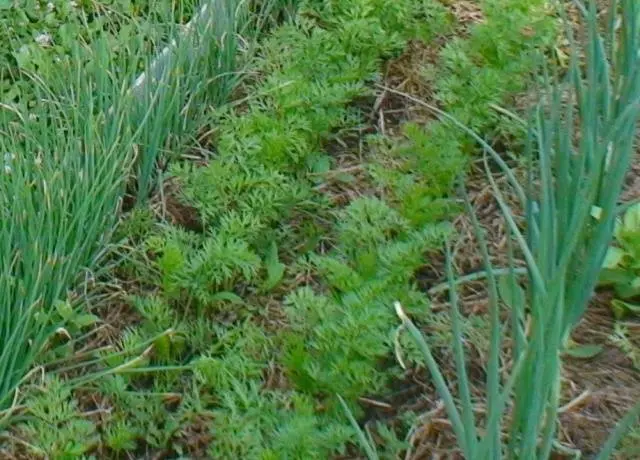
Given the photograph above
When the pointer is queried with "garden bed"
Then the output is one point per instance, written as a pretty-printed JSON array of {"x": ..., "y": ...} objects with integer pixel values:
[{"x": 254, "y": 284}]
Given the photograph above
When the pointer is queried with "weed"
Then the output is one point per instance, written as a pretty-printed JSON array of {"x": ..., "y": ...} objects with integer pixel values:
[
  {"x": 56, "y": 427},
  {"x": 621, "y": 263},
  {"x": 623, "y": 340}
]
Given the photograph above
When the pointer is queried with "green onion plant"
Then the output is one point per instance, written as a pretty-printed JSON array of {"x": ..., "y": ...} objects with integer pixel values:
[
  {"x": 65, "y": 165},
  {"x": 189, "y": 75}
]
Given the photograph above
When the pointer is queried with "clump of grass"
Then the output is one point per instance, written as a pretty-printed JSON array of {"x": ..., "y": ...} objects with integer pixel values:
[{"x": 570, "y": 204}]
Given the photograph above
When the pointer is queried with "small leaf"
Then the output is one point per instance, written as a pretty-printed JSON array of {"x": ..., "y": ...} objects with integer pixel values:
[
  {"x": 162, "y": 347},
  {"x": 23, "y": 57},
  {"x": 628, "y": 290},
  {"x": 631, "y": 221},
  {"x": 614, "y": 257},
  {"x": 345, "y": 178},
  {"x": 584, "y": 351},
  {"x": 227, "y": 296},
  {"x": 511, "y": 292},
  {"x": 85, "y": 320},
  {"x": 275, "y": 269},
  {"x": 64, "y": 309},
  {"x": 321, "y": 164},
  {"x": 614, "y": 276},
  {"x": 623, "y": 309}
]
